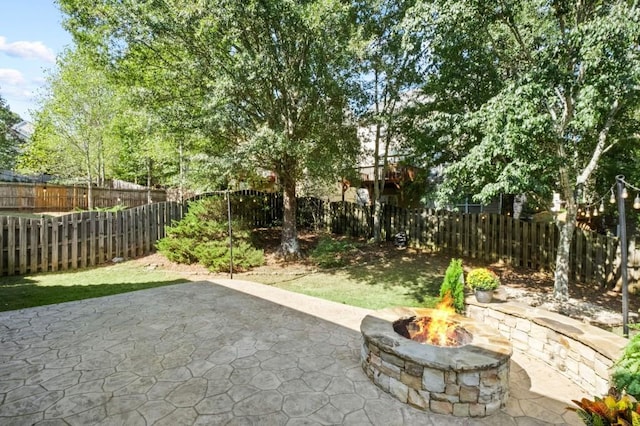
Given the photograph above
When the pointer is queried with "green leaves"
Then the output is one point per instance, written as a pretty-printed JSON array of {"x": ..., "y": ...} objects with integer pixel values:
[
  {"x": 230, "y": 70},
  {"x": 9, "y": 143},
  {"x": 202, "y": 237},
  {"x": 626, "y": 373},
  {"x": 540, "y": 87}
]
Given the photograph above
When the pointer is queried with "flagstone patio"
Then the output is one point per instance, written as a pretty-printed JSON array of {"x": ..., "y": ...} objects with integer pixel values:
[{"x": 220, "y": 353}]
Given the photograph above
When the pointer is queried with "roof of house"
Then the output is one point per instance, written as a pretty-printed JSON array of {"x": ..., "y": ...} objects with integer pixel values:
[{"x": 23, "y": 129}]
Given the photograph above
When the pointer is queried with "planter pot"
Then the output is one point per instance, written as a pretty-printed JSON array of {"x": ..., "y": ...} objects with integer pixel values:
[{"x": 484, "y": 296}]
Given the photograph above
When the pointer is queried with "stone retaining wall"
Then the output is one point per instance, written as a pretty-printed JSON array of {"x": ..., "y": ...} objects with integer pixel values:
[{"x": 579, "y": 351}]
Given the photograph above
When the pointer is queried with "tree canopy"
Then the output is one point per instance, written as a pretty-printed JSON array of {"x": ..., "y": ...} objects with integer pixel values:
[
  {"x": 9, "y": 142},
  {"x": 267, "y": 83},
  {"x": 74, "y": 128},
  {"x": 513, "y": 97},
  {"x": 533, "y": 94}
]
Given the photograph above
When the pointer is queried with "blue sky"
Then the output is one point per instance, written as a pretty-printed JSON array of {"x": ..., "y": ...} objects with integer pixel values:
[{"x": 31, "y": 36}]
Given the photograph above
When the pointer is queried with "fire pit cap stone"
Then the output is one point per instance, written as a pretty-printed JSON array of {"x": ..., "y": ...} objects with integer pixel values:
[{"x": 487, "y": 348}]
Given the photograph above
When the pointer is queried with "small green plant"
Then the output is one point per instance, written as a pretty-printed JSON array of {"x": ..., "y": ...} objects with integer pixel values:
[
  {"x": 332, "y": 253},
  {"x": 610, "y": 410},
  {"x": 454, "y": 284},
  {"x": 482, "y": 279},
  {"x": 202, "y": 237},
  {"x": 626, "y": 373}
]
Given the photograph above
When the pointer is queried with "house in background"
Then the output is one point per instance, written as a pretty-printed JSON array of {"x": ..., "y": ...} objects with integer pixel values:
[
  {"x": 23, "y": 130},
  {"x": 404, "y": 184}
]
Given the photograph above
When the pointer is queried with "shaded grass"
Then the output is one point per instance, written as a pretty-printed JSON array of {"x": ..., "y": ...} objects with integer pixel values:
[
  {"x": 341, "y": 288},
  {"x": 379, "y": 279},
  {"x": 44, "y": 289}
]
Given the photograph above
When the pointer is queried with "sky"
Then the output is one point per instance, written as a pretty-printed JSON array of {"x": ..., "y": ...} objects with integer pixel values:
[{"x": 31, "y": 37}]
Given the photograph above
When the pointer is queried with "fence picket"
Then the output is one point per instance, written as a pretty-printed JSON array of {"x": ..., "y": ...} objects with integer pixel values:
[
  {"x": 92, "y": 237},
  {"x": 11, "y": 244},
  {"x": 518, "y": 243},
  {"x": 75, "y": 233},
  {"x": 487, "y": 237},
  {"x": 55, "y": 244},
  {"x": 125, "y": 248},
  {"x": 3, "y": 225},
  {"x": 22, "y": 251},
  {"x": 102, "y": 246},
  {"x": 588, "y": 260},
  {"x": 65, "y": 242},
  {"x": 45, "y": 250}
]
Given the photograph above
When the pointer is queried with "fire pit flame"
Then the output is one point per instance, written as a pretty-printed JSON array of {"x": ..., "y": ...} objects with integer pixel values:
[
  {"x": 436, "y": 329},
  {"x": 438, "y": 326}
]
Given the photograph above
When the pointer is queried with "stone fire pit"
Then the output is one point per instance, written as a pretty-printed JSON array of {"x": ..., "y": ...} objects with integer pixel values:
[{"x": 471, "y": 379}]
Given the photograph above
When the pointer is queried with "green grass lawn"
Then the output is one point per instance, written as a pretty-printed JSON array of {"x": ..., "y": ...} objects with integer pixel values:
[
  {"x": 341, "y": 287},
  {"x": 378, "y": 281},
  {"x": 43, "y": 289},
  {"x": 400, "y": 281}
]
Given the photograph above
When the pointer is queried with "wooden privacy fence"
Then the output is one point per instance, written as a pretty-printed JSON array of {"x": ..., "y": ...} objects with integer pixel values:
[
  {"x": 488, "y": 237},
  {"x": 42, "y": 197},
  {"x": 265, "y": 209},
  {"x": 491, "y": 237},
  {"x": 90, "y": 238},
  {"x": 81, "y": 239}
]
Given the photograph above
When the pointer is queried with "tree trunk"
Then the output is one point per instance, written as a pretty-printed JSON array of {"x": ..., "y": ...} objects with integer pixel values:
[
  {"x": 377, "y": 207},
  {"x": 289, "y": 247},
  {"x": 90, "y": 195},
  {"x": 181, "y": 165},
  {"x": 89, "y": 179},
  {"x": 567, "y": 229}
]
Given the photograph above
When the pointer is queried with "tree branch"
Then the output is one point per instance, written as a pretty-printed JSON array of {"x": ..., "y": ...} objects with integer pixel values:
[
  {"x": 601, "y": 147},
  {"x": 508, "y": 19}
]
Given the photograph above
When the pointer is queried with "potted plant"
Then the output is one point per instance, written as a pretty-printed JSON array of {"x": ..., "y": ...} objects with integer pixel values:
[{"x": 483, "y": 282}]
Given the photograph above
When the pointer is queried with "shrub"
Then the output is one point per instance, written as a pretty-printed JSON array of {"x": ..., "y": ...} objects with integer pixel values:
[
  {"x": 454, "y": 284},
  {"x": 626, "y": 373},
  {"x": 332, "y": 253},
  {"x": 482, "y": 279},
  {"x": 202, "y": 237},
  {"x": 215, "y": 255},
  {"x": 610, "y": 410}
]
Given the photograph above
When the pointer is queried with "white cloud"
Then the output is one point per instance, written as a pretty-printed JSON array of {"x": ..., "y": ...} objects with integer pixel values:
[
  {"x": 27, "y": 49},
  {"x": 11, "y": 77}
]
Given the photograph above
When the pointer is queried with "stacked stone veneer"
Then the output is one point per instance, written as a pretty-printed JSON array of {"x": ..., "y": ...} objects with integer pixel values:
[
  {"x": 579, "y": 351},
  {"x": 469, "y": 380}
]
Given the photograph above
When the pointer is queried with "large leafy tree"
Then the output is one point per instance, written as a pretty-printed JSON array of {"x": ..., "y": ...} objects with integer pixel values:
[
  {"x": 392, "y": 63},
  {"x": 266, "y": 82},
  {"x": 9, "y": 142},
  {"x": 73, "y": 128},
  {"x": 535, "y": 93}
]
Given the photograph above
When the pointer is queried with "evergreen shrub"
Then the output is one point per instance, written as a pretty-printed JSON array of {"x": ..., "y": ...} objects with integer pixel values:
[
  {"x": 454, "y": 284},
  {"x": 202, "y": 237}
]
